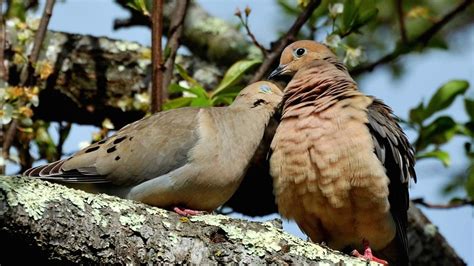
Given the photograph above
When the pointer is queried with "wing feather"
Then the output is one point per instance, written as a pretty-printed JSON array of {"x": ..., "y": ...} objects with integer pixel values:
[{"x": 396, "y": 154}]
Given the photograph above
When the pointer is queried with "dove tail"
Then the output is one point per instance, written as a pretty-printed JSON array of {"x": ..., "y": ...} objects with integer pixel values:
[{"x": 51, "y": 169}]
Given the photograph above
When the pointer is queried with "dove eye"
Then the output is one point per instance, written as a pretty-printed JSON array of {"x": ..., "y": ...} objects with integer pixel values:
[{"x": 300, "y": 52}]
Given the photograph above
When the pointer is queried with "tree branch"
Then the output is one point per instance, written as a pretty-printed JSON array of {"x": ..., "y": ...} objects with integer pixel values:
[
  {"x": 421, "y": 41},
  {"x": 290, "y": 36},
  {"x": 245, "y": 23},
  {"x": 451, "y": 205},
  {"x": 95, "y": 78},
  {"x": 27, "y": 71},
  {"x": 157, "y": 57},
  {"x": 26, "y": 75},
  {"x": 174, "y": 37},
  {"x": 52, "y": 222},
  {"x": 401, "y": 20},
  {"x": 208, "y": 37},
  {"x": 3, "y": 70}
]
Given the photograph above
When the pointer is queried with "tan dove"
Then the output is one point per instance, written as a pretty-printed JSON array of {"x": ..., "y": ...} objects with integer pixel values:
[
  {"x": 340, "y": 162},
  {"x": 188, "y": 158}
]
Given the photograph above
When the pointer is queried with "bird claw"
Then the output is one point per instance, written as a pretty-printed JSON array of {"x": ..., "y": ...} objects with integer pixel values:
[
  {"x": 368, "y": 254},
  {"x": 187, "y": 212}
]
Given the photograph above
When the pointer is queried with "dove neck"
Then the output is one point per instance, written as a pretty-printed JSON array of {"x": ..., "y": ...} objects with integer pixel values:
[
  {"x": 320, "y": 84},
  {"x": 238, "y": 124}
]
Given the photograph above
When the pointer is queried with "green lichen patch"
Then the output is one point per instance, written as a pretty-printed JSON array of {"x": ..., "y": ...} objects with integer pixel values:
[
  {"x": 213, "y": 26},
  {"x": 132, "y": 220},
  {"x": 271, "y": 239},
  {"x": 34, "y": 195}
]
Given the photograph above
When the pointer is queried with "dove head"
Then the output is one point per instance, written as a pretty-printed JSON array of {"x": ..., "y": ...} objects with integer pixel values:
[
  {"x": 300, "y": 54},
  {"x": 259, "y": 95}
]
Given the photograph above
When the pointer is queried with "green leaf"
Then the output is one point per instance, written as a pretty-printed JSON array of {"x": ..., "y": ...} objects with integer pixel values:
[
  {"x": 139, "y": 5},
  {"x": 365, "y": 17},
  {"x": 201, "y": 102},
  {"x": 438, "y": 42},
  {"x": 182, "y": 72},
  {"x": 350, "y": 11},
  {"x": 469, "y": 129},
  {"x": 224, "y": 98},
  {"x": 445, "y": 96},
  {"x": 176, "y": 88},
  {"x": 437, "y": 154},
  {"x": 417, "y": 114},
  {"x": 199, "y": 91},
  {"x": 438, "y": 132},
  {"x": 177, "y": 103},
  {"x": 234, "y": 74},
  {"x": 469, "y": 105},
  {"x": 469, "y": 185}
]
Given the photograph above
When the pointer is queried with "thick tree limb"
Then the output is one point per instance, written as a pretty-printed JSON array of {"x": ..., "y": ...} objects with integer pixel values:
[
  {"x": 208, "y": 37},
  {"x": 93, "y": 76},
  {"x": 425, "y": 244},
  {"x": 52, "y": 222}
]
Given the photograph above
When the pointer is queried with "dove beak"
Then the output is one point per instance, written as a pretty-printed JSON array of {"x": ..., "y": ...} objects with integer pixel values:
[{"x": 279, "y": 71}]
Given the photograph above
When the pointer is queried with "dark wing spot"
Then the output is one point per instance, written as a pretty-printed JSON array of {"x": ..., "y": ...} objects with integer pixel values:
[
  {"x": 92, "y": 149},
  {"x": 130, "y": 138},
  {"x": 102, "y": 141},
  {"x": 259, "y": 102},
  {"x": 110, "y": 150},
  {"x": 117, "y": 158},
  {"x": 118, "y": 140}
]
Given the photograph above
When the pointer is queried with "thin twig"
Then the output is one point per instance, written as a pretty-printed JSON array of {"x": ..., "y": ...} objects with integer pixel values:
[
  {"x": 63, "y": 132},
  {"x": 38, "y": 43},
  {"x": 174, "y": 37},
  {"x": 8, "y": 138},
  {"x": 27, "y": 71},
  {"x": 454, "y": 204},
  {"x": 157, "y": 57},
  {"x": 252, "y": 37},
  {"x": 3, "y": 70},
  {"x": 420, "y": 41},
  {"x": 286, "y": 39},
  {"x": 401, "y": 20}
]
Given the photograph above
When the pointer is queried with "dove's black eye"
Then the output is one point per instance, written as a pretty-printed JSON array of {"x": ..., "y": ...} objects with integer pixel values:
[{"x": 300, "y": 52}]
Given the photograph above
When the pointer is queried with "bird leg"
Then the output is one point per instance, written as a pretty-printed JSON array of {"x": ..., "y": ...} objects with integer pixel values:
[
  {"x": 187, "y": 212},
  {"x": 368, "y": 254}
]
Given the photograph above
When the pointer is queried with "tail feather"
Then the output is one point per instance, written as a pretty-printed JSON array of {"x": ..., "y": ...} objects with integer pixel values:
[{"x": 47, "y": 170}]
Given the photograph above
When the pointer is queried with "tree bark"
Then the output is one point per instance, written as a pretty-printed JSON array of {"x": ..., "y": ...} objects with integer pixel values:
[
  {"x": 53, "y": 223},
  {"x": 93, "y": 76},
  {"x": 50, "y": 222},
  {"x": 211, "y": 38}
]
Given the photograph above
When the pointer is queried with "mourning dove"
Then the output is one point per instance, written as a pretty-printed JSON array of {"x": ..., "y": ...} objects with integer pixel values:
[
  {"x": 340, "y": 162},
  {"x": 188, "y": 158}
]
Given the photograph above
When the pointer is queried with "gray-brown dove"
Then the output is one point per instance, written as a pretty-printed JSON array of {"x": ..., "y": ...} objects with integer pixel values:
[
  {"x": 340, "y": 162},
  {"x": 187, "y": 158}
]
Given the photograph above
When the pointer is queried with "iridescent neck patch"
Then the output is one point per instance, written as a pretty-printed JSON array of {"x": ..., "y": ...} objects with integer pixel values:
[{"x": 265, "y": 89}]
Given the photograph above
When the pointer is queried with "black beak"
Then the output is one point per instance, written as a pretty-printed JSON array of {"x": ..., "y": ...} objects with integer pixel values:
[{"x": 277, "y": 72}]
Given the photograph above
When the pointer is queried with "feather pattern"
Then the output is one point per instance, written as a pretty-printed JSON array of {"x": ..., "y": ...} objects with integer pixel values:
[{"x": 340, "y": 162}]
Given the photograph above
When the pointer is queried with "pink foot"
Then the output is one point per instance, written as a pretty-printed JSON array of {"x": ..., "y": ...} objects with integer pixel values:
[
  {"x": 187, "y": 212},
  {"x": 368, "y": 254}
]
